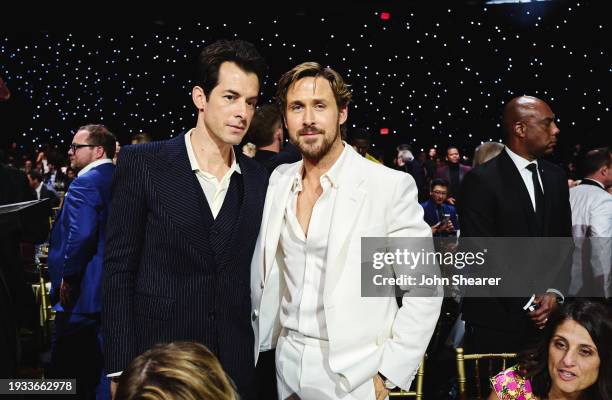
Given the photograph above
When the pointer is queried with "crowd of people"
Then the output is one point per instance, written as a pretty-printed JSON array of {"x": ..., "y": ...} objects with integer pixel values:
[{"x": 186, "y": 268}]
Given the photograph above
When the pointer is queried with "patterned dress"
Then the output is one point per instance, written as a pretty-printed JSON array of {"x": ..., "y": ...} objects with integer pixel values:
[{"x": 510, "y": 385}]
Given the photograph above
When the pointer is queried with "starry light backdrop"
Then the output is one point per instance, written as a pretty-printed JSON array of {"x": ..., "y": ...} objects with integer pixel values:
[{"x": 431, "y": 74}]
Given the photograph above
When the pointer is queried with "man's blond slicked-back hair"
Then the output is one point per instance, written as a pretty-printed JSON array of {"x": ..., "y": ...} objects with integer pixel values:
[{"x": 341, "y": 90}]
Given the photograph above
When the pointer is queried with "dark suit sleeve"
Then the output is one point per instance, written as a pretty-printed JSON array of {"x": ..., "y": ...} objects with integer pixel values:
[
  {"x": 476, "y": 208},
  {"x": 124, "y": 243},
  {"x": 82, "y": 237},
  {"x": 562, "y": 280}
]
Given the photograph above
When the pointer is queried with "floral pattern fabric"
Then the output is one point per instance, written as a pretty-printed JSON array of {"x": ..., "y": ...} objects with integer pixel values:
[{"x": 510, "y": 385}]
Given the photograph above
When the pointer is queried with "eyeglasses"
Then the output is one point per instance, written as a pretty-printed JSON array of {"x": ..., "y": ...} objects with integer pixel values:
[
  {"x": 75, "y": 146},
  {"x": 439, "y": 192}
]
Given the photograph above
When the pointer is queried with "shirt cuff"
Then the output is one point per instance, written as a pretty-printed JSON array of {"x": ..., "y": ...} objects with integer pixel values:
[
  {"x": 114, "y": 374},
  {"x": 387, "y": 382}
]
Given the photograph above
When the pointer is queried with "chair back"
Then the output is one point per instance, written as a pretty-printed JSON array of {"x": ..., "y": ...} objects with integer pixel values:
[{"x": 478, "y": 359}]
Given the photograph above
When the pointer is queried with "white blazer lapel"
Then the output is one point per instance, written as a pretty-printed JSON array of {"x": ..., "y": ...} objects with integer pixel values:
[
  {"x": 276, "y": 202},
  {"x": 348, "y": 203}
]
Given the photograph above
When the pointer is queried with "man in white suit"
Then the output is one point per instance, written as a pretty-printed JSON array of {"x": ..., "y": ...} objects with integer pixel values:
[
  {"x": 332, "y": 343},
  {"x": 592, "y": 227}
]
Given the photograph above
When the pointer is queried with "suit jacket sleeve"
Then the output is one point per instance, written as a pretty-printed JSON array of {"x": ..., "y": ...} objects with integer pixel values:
[
  {"x": 562, "y": 281},
  {"x": 124, "y": 242},
  {"x": 82, "y": 236},
  {"x": 416, "y": 319}
]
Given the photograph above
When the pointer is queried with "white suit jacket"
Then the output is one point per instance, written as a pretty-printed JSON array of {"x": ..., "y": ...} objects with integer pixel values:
[
  {"x": 366, "y": 335},
  {"x": 592, "y": 217}
]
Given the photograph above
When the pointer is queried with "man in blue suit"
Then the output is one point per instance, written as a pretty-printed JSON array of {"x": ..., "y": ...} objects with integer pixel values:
[
  {"x": 184, "y": 221},
  {"x": 440, "y": 216},
  {"x": 76, "y": 254}
]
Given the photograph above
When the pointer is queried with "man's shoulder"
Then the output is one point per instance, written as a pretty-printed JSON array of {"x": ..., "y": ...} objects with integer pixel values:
[
  {"x": 449, "y": 208},
  {"x": 465, "y": 168},
  {"x": 150, "y": 148},
  {"x": 593, "y": 192},
  {"x": 254, "y": 168},
  {"x": 551, "y": 168},
  {"x": 426, "y": 204},
  {"x": 284, "y": 170},
  {"x": 378, "y": 171},
  {"x": 488, "y": 168}
]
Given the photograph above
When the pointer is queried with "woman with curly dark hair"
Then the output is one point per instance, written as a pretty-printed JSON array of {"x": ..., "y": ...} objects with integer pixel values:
[{"x": 572, "y": 361}]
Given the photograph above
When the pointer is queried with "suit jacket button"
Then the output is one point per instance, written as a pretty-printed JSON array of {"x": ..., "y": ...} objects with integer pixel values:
[{"x": 255, "y": 314}]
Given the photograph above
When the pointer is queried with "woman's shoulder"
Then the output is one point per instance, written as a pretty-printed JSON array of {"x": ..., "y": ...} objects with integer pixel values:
[{"x": 510, "y": 385}]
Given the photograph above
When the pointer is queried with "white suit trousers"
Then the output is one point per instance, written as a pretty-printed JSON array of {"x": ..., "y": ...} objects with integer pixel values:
[{"x": 302, "y": 369}]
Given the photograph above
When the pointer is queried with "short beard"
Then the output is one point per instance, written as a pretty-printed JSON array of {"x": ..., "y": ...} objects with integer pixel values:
[{"x": 317, "y": 152}]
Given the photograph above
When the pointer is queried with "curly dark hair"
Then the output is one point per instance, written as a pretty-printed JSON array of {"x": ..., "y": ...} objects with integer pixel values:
[{"x": 596, "y": 318}]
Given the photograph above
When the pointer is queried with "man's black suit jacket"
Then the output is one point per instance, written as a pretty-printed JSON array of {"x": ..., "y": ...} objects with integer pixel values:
[
  {"x": 495, "y": 203},
  {"x": 163, "y": 280}
]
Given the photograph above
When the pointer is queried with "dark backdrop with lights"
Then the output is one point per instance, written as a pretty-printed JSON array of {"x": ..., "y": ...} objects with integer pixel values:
[{"x": 426, "y": 74}]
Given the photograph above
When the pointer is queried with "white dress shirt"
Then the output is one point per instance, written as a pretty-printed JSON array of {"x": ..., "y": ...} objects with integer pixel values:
[
  {"x": 214, "y": 190},
  {"x": 38, "y": 189},
  {"x": 305, "y": 256},
  {"x": 521, "y": 164},
  {"x": 592, "y": 217}
]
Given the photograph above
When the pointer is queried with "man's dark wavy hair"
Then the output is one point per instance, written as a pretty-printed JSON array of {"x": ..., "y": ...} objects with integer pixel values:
[
  {"x": 596, "y": 318},
  {"x": 240, "y": 52}
]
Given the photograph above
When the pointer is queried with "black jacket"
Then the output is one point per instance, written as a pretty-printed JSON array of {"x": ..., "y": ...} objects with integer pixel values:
[
  {"x": 171, "y": 271},
  {"x": 495, "y": 203}
]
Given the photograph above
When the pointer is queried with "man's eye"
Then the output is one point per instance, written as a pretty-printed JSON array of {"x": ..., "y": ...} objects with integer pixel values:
[
  {"x": 296, "y": 107},
  {"x": 230, "y": 96}
]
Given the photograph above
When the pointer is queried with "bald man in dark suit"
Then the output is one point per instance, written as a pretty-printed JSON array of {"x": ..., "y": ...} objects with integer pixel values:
[{"x": 516, "y": 194}]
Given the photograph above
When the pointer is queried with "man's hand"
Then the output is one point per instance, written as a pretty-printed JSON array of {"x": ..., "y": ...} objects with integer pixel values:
[
  {"x": 448, "y": 227},
  {"x": 451, "y": 201},
  {"x": 380, "y": 389},
  {"x": 546, "y": 302},
  {"x": 439, "y": 227}
]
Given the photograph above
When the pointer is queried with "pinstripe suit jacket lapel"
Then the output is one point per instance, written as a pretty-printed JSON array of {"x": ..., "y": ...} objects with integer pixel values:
[{"x": 180, "y": 194}]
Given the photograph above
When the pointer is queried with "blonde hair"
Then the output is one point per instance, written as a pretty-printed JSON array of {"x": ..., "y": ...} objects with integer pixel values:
[
  {"x": 485, "y": 152},
  {"x": 175, "y": 371},
  {"x": 341, "y": 90}
]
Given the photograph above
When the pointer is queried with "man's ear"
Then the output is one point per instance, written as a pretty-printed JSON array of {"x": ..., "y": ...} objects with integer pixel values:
[
  {"x": 100, "y": 152},
  {"x": 343, "y": 115},
  {"x": 278, "y": 134},
  {"x": 199, "y": 98},
  {"x": 519, "y": 129}
]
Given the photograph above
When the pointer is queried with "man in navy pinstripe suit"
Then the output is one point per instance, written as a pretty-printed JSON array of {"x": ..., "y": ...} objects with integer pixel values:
[{"x": 184, "y": 219}]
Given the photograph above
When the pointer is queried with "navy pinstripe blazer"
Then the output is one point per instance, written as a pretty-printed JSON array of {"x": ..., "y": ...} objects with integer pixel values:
[{"x": 171, "y": 271}]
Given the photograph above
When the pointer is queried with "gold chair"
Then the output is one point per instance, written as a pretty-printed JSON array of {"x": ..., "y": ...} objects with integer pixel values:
[
  {"x": 418, "y": 385},
  {"x": 461, "y": 357}
]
